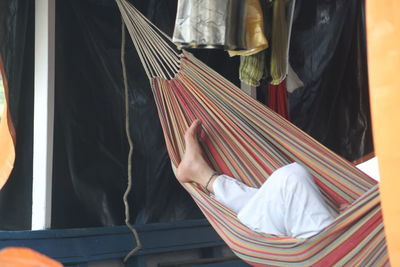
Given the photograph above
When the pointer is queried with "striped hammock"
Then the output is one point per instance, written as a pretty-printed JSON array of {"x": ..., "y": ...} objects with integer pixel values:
[{"x": 246, "y": 140}]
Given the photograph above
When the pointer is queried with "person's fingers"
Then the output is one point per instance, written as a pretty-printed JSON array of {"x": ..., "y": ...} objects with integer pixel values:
[
  {"x": 193, "y": 129},
  {"x": 197, "y": 127}
]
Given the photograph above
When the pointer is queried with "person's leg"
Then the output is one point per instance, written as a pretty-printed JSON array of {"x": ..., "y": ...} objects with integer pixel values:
[
  {"x": 288, "y": 203},
  {"x": 232, "y": 193},
  {"x": 307, "y": 213},
  {"x": 194, "y": 168}
]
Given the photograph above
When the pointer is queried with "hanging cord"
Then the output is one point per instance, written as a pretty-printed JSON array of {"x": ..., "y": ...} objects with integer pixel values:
[{"x": 128, "y": 135}]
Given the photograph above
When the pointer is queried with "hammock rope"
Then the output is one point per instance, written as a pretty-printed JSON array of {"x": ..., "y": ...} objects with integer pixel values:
[
  {"x": 157, "y": 55},
  {"x": 244, "y": 139},
  {"x": 130, "y": 154}
]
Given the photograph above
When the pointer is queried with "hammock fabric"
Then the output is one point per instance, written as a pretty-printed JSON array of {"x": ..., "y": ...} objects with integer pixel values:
[{"x": 246, "y": 140}]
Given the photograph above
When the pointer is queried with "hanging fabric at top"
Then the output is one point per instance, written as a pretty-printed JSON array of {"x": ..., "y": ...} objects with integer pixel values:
[
  {"x": 283, "y": 12},
  {"x": 210, "y": 24},
  {"x": 256, "y": 40}
]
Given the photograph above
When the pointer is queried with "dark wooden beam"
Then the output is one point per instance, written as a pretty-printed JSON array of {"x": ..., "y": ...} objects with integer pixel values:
[{"x": 74, "y": 246}]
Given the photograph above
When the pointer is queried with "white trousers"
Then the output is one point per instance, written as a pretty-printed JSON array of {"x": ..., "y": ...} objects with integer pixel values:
[{"x": 289, "y": 203}]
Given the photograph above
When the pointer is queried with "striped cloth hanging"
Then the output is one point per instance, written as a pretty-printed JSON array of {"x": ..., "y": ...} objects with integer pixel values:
[
  {"x": 248, "y": 141},
  {"x": 251, "y": 68}
]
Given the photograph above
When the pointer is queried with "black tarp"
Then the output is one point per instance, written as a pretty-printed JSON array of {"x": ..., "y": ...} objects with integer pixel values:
[
  {"x": 328, "y": 52},
  {"x": 90, "y": 153},
  {"x": 90, "y": 147}
]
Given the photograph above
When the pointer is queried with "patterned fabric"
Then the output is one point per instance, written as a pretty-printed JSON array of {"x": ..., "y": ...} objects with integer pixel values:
[
  {"x": 210, "y": 24},
  {"x": 244, "y": 139}
]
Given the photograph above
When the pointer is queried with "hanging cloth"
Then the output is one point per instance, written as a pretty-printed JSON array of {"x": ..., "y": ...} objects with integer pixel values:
[
  {"x": 281, "y": 30},
  {"x": 210, "y": 24},
  {"x": 277, "y": 99},
  {"x": 251, "y": 68},
  {"x": 246, "y": 140},
  {"x": 255, "y": 37}
]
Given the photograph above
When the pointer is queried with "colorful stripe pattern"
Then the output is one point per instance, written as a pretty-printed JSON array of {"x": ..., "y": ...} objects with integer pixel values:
[
  {"x": 251, "y": 69},
  {"x": 246, "y": 140}
]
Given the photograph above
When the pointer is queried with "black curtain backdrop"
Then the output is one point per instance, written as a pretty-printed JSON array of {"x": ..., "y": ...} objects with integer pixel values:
[
  {"x": 328, "y": 52},
  {"x": 90, "y": 146},
  {"x": 90, "y": 153}
]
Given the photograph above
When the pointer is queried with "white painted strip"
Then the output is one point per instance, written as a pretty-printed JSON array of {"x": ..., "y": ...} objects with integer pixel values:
[{"x": 43, "y": 114}]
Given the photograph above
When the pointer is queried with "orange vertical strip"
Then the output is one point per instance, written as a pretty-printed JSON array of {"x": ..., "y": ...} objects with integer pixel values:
[
  {"x": 383, "y": 25},
  {"x": 7, "y": 136}
]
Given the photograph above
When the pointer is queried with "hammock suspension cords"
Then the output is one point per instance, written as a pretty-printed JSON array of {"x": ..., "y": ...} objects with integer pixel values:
[{"x": 158, "y": 57}]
